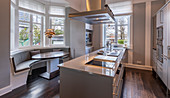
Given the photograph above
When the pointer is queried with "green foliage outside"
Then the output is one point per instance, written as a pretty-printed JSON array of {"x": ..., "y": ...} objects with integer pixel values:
[
  {"x": 37, "y": 35},
  {"x": 58, "y": 32},
  {"x": 23, "y": 36},
  {"x": 122, "y": 32},
  {"x": 121, "y": 41}
]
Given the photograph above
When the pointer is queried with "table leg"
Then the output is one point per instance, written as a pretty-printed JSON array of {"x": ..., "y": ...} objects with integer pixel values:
[{"x": 52, "y": 69}]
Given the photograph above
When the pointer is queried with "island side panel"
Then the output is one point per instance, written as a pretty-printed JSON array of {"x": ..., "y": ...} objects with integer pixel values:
[{"x": 78, "y": 84}]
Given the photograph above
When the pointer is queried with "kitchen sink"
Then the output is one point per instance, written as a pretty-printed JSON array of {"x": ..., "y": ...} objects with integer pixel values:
[
  {"x": 101, "y": 64},
  {"x": 114, "y": 53}
]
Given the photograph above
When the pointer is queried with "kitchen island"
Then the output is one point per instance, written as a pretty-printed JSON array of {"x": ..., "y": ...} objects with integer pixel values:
[{"x": 78, "y": 79}]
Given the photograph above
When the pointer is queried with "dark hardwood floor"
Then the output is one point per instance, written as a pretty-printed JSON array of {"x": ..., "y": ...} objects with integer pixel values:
[
  {"x": 142, "y": 84},
  {"x": 137, "y": 84}
]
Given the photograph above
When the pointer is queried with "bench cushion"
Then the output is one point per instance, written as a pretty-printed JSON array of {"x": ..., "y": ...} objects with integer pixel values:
[{"x": 24, "y": 65}]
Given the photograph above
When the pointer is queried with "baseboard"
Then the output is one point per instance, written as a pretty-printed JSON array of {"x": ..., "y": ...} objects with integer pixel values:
[
  {"x": 5, "y": 90},
  {"x": 135, "y": 66}
]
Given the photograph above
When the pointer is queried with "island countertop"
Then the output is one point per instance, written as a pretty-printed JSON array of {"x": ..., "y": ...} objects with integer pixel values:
[{"x": 79, "y": 64}]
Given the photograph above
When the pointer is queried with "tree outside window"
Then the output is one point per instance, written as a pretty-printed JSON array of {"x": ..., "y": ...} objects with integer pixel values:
[
  {"x": 24, "y": 34},
  {"x": 36, "y": 34}
]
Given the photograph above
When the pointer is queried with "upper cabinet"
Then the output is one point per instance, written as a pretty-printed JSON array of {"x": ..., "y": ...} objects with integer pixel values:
[
  {"x": 168, "y": 20},
  {"x": 89, "y": 27},
  {"x": 160, "y": 17}
]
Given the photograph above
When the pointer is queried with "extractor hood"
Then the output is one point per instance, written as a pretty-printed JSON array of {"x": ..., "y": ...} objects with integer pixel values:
[{"x": 97, "y": 13}]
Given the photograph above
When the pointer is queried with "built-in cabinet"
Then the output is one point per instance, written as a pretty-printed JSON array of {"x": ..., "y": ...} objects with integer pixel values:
[
  {"x": 89, "y": 38},
  {"x": 162, "y": 68}
]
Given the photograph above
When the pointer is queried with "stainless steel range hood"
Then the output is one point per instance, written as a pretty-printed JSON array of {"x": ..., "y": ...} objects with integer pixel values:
[{"x": 97, "y": 13}]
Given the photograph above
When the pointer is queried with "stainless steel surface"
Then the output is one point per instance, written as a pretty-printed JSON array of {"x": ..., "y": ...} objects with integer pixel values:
[
  {"x": 160, "y": 43},
  {"x": 97, "y": 13},
  {"x": 92, "y": 5},
  {"x": 110, "y": 65},
  {"x": 169, "y": 52}
]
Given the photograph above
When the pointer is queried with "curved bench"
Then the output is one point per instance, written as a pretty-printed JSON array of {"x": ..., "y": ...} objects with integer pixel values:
[{"x": 22, "y": 64}]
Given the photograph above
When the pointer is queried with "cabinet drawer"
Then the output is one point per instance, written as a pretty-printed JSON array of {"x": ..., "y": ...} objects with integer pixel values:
[
  {"x": 118, "y": 90},
  {"x": 160, "y": 72},
  {"x": 118, "y": 76},
  {"x": 154, "y": 65}
]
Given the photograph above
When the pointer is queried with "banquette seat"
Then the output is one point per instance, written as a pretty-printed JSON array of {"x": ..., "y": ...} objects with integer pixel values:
[{"x": 22, "y": 64}]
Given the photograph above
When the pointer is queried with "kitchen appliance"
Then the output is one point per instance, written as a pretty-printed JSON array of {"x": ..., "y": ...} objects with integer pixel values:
[
  {"x": 160, "y": 43},
  {"x": 97, "y": 13},
  {"x": 88, "y": 37}
]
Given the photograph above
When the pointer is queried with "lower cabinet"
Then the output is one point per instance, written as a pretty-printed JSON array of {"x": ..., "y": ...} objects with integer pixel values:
[
  {"x": 89, "y": 85},
  {"x": 154, "y": 60},
  {"x": 165, "y": 71},
  {"x": 159, "y": 70},
  {"x": 168, "y": 68}
]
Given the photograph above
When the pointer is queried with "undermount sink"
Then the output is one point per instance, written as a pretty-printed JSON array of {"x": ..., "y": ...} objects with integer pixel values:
[
  {"x": 101, "y": 64},
  {"x": 115, "y": 53}
]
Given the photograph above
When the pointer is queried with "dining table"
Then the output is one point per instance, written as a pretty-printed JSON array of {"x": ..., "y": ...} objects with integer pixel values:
[{"x": 52, "y": 62}]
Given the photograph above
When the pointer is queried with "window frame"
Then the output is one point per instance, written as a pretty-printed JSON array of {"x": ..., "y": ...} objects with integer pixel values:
[
  {"x": 116, "y": 31},
  {"x": 50, "y": 25},
  {"x": 31, "y": 29}
]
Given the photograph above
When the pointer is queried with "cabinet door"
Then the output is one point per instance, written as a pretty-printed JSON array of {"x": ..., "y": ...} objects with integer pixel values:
[
  {"x": 159, "y": 70},
  {"x": 168, "y": 23},
  {"x": 168, "y": 64},
  {"x": 165, "y": 31},
  {"x": 165, "y": 71},
  {"x": 160, "y": 18},
  {"x": 168, "y": 75}
]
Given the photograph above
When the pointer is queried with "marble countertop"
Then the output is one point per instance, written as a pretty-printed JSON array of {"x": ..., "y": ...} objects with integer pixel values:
[{"x": 80, "y": 64}]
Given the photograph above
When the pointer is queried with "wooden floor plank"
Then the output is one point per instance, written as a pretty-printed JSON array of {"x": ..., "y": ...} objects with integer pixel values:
[
  {"x": 141, "y": 84},
  {"x": 137, "y": 84}
]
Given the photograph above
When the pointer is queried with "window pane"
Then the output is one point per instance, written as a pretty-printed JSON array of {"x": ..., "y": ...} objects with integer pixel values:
[
  {"x": 36, "y": 18},
  {"x": 57, "y": 10},
  {"x": 36, "y": 34},
  {"x": 24, "y": 16},
  {"x": 58, "y": 38},
  {"x": 122, "y": 34},
  {"x": 122, "y": 30},
  {"x": 110, "y": 32},
  {"x": 32, "y": 5},
  {"x": 24, "y": 34},
  {"x": 122, "y": 20},
  {"x": 57, "y": 20}
]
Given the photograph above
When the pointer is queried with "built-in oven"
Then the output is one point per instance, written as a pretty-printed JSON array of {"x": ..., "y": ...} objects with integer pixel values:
[
  {"x": 88, "y": 37},
  {"x": 160, "y": 43}
]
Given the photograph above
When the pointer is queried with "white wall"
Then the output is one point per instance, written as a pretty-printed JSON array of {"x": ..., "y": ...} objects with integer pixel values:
[
  {"x": 79, "y": 5},
  {"x": 5, "y": 44}
]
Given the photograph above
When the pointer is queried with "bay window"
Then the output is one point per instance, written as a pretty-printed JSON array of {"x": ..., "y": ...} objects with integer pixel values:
[
  {"x": 29, "y": 21},
  {"x": 30, "y": 29}
]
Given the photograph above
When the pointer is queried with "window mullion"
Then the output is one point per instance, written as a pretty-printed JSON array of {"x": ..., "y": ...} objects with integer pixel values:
[
  {"x": 41, "y": 33},
  {"x": 31, "y": 30},
  {"x": 116, "y": 32}
]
